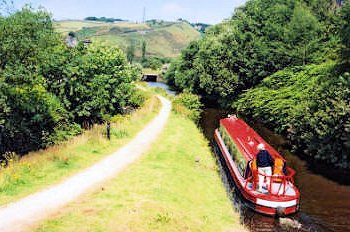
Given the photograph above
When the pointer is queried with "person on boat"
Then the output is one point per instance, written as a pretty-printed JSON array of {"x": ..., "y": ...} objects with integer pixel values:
[
  {"x": 280, "y": 170},
  {"x": 264, "y": 162},
  {"x": 280, "y": 167}
]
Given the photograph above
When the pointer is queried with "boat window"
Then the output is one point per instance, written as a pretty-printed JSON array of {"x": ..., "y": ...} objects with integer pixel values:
[{"x": 236, "y": 155}]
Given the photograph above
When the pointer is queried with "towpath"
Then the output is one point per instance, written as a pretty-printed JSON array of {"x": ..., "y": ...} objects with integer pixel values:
[{"x": 27, "y": 212}]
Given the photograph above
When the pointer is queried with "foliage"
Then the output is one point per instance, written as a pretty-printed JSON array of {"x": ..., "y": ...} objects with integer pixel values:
[
  {"x": 201, "y": 27},
  {"x": 20, "y": 178},
  {"x": 130, "y": 53},
  {"x": 302, "y": 32},
  {"x": 48, "y": 89},
  {"x": 97, "y": 80},
  {"x": 286, "y": 45},
  {"x": 311, "y": 105},
  {"x": 261, "y": 38},
  {"x": 23, "y": 36},
  {"x": 143, "y": 49},
  {"x": 189, "y": 105},
  {"x": 103, "y": 19},
  {"x": 154, "y": 63},
  {"x": 30, "y": 112},
  {"x": 345, "y": 30}
]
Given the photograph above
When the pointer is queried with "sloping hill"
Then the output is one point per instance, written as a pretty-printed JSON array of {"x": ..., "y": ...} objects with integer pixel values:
[{"x": 163, "y": 39}]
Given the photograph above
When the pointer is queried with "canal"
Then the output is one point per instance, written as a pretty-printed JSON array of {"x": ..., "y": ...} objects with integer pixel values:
[{"x": 325, "y": 203}]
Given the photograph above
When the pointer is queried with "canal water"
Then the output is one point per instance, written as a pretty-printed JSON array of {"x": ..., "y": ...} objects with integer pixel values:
[
  {"x": 163, "y": 86},
  {"x": 325, "y": 203}
]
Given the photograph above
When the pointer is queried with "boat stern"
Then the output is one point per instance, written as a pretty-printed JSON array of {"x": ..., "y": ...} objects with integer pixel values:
[{"x": 276, "y": 208}]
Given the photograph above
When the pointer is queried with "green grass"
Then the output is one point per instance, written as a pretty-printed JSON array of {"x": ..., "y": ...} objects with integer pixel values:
[
  {"x": 175, "y": 187},
  {"x": 169, "y": 41},
  {"x": 162, "y": 40},
  {"x": 39, "y": 169}
]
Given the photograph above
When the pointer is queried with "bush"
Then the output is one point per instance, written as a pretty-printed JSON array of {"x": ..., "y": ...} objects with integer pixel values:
[
  {"x": 188, "y": 105},
  {"x": 155, "y": 63},
  {"x": 310, "y": 105},
  {"x": 261, "y": 38},
  {"x": 137, "y": 99},
  {"x": 48, "y": 90}
]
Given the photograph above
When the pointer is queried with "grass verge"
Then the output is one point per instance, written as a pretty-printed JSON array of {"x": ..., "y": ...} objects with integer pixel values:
[
  {"x": 42, "y": 168},
  {"x": 175, "y": 187}
]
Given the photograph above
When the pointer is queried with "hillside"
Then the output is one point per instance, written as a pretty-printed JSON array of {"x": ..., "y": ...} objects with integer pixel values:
[{"x": 163, "y": 39}]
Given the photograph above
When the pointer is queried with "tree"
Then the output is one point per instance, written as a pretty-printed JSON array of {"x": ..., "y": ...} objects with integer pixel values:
[
  {"x": 143, "y": 48},
  {"x": 130, "y": 53},
  {"x": 345, "y": 30},
  {"x": 30, "y": 47},
  {"x": 274, "y": 56},
  {"x": 261, "y": 38},
  {"x": 47, "y": 89},
  {"x": 302, "y": 31}
]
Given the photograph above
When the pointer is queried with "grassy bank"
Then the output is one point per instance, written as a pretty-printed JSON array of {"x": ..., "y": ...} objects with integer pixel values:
[
  {"x": 39, "y": 169},
  {"x": 175, "y": 187}
]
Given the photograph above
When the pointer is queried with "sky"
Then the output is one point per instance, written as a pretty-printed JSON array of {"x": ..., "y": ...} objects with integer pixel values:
[{"x": 206, "y": 11}]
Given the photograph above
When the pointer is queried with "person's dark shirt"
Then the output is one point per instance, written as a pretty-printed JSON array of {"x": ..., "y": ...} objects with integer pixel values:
[{"x": 264, "y": 159}]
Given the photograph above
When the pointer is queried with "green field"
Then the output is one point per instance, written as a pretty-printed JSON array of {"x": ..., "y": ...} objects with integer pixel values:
[
  {"x": 165, "y": 39},
  {"x": 175, "y": 187}
]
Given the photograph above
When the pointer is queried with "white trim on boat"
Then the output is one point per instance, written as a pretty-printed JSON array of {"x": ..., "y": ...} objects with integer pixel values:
[{"x": 275, "y": 204}]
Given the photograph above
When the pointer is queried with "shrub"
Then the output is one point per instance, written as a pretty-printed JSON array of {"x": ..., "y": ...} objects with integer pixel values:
[
  {"x": 48, "y": 90},
  {"x": 310, "y": 105},
  {"x": 188, "y": 105}
]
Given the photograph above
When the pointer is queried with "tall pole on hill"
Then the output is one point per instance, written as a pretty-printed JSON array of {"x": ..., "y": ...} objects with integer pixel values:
[{"x": 143, "y": 42}]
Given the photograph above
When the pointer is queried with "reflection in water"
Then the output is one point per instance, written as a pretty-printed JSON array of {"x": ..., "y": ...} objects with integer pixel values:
[{"x": 325, "y": 204}]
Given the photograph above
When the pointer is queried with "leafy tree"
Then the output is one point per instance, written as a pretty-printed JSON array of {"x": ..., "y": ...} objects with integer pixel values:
[
  {"x": 143, "y": 49},
  {"x": 154, "y": 63},
  {"x": 91, "y": 82},
  {"x": 130, "y": 53},
  {"x": 274, "y": 56},
  {"x": 47, "y": 89},
  {"x": 30, "y": 112},
  {"x": 237, "y": 54},
  {"x": 24, "y": 42},
  {"x": 345, "y": 30},
  {"x": 188, "y": 105},
  {"x": 310, "y": 105},
  {"x": 302, "y": 31}
]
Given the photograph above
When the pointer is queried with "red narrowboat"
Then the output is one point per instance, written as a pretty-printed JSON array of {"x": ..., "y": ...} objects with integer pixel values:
[{"x": 238, "y": 144}]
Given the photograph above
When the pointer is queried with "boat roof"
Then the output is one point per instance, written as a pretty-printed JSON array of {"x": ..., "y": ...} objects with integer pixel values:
[{"x": 246, "y": 138}]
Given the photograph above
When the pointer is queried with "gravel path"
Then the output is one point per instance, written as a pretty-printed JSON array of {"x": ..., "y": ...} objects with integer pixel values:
[{"x": 24, "y": 214}]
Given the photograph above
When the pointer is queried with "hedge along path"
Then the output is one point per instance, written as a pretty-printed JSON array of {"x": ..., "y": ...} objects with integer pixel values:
[{"x": 22, "y": 215}]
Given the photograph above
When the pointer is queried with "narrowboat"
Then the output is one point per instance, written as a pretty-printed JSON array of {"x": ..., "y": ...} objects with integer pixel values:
[{"x": 238, "y": 144}]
